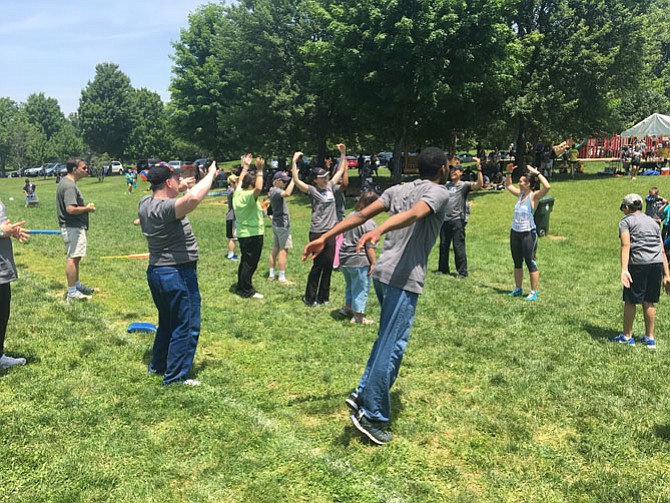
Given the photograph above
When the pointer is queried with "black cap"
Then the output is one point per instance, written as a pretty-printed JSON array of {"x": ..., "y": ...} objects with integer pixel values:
[{"x": 161, "y": 172}]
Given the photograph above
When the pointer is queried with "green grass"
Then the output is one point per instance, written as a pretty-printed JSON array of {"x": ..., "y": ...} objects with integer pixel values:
[{"x": 497, "y": 399}]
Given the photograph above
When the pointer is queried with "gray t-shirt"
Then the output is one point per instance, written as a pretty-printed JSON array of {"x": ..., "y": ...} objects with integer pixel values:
[
  {"x": 67, "y": 193},
  {"x": 7, "y": 265},
  {"x": 348, "y": 255},
  {"x": 324, "y": 216},
  {"x": 171, "y": 240},
  {"x": 645, "y": 239},
  {"x": 458, "y": 194},
  {"x": 280, "y": 217},
  {"x": 230, "y": 214},
  {"x": 404, "y": 258}
]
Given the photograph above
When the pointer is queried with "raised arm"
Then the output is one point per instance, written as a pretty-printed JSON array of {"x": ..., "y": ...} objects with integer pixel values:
[
  {"x": 508, "y": 183},
  {"x": 480, "y": 177},
  {"x": 302, "y": 186},
  {"x": 289, "y": 189},
  {"x": 195, "y": 195},
  {"x": 539, "y": 194},
  {"x": 343, "y": 167},
  {"x": 246, "y": 163},
  {"x": 258, "y": 186}
]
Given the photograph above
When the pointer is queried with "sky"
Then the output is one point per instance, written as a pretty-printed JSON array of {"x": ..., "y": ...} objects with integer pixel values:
[{"x": 53, "y": 46}]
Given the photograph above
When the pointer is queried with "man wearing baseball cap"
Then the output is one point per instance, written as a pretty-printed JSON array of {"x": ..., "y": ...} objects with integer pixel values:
[
  {"x": 643, "y": 267},
  {"x": 282, "y": 187},
  {"x": 172, "y": 271}
]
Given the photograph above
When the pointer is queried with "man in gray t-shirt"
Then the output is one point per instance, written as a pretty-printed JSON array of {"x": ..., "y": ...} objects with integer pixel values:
[
  {"x": 453, "y": 228},
  {"x": 417, "y": 211},
  {"x": 282, "y": 187},
  {"x": 73, "y": 222},
  {"x": 643, "y": 267},
  {"x": 172, "y": 271}
]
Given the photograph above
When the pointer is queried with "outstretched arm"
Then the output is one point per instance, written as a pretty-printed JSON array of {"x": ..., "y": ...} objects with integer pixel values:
[
  {"x": 258, "y": 186},
  {"x": 343, "y": 166},
  {"x": 480, "y": 177},
  {"x": 192, "y": 199},
  {"x": 397, "y": 221},
  {"x": 355, "y": 219},
  {"x": 508, "y": 183}
]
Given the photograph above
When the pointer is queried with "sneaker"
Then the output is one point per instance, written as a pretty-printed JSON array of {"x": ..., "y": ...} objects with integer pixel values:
[
  {"x": 622, "y": 339},
  {"x": 352, "y": 401},
  {"x": 345, "y": 312},
  {"x": 86, "y": 290},
  {"x": 233, "y": 258},
  {"x": 460, "y": 276},
  {"x": 648, "y": 342},
  {"x": 517, "y": 292},
  {"x": 361, "y": 321},
  {"x": 258, "y": 296},
  {"x": 78, "y": 296},
  {"x": 271, "y": 278},
  {"x": 191, "y": 382},
  {"x": 371, "y": 429},
  {"x": 323, "y": 302},
  {"x": 308, "y": 303},
  {"x": 285, "y": 282},
  {"x": 7, "y": 362},
  {"x": 531, "y": 296}
]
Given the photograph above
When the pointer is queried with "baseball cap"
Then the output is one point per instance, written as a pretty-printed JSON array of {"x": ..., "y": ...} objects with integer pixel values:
[
  {"x": 161, "y": 172},
  {"x": 280, "y": 175},
  {"x": 319, "y": 172},
  {"x": 632, "y": 200}
]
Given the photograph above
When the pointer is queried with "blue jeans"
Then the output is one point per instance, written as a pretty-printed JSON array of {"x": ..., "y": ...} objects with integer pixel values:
[
  {"x": 177, "y": 298},
  {"x": 397, "y": 315},
  {"x": 357, "y": 286}
]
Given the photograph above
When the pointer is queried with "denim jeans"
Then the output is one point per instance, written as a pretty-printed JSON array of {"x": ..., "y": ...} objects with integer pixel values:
[
  {"x": 177, "y": 298},
  {"x": 397, "y": 315},
  {"x": 357, "y": 286}
]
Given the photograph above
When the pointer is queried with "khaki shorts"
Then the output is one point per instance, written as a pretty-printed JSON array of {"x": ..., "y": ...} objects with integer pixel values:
[
  {"x": 282, "y": 238},
  {"x": 75, "y": 241}
]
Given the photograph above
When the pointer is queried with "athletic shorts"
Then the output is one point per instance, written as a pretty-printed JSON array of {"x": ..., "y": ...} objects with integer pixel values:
[
  {"x": 282, "y": 238},
  {"x": 646, "y": 285},
  {"x": 230, "y": 229},
  {"x": 75, "y": 241}
]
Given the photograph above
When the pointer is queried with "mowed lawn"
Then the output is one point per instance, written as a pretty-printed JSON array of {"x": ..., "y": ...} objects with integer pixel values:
[{"x": 498, "y": 399}]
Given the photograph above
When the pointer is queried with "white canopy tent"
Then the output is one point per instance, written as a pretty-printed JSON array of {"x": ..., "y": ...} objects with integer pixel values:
[{"x": 654, "y": 125}]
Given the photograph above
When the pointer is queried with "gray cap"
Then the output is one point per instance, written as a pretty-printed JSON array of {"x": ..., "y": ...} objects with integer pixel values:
[{"x": 632, "y": 200}]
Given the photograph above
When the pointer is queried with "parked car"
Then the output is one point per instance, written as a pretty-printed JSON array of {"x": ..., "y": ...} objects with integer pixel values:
[
  {"x": 37, "y": 171},
  {"x": 115, "y": 168},
  {"x": 49, "y": 169},
  {"x": 176, "y": 164},
  {"x": 384, "y": 158},
  {"x": 352, "y": 161},
  {"x": 465, "y": 157},
  {"x": 202, "y": 163}
]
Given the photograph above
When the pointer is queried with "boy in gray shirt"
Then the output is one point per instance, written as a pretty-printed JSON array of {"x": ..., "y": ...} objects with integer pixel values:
[
  {"x": 417, "y": 211},
  {"x": 643, "y": 267}
]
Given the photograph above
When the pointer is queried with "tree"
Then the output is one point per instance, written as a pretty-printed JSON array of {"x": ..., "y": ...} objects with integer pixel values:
[
  {"x": 105, "y": 110},
  {"x": 149, "y": 135},
  {"x": 44, "y": 113}
]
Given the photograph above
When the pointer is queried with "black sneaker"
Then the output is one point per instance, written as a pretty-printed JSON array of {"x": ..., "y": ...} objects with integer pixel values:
[
  {"x": 352, "y": 401},
  {"x": 308, "y": 303},
  {"x": 371, "y": 429},
  {"x": 86, "y": 290}
]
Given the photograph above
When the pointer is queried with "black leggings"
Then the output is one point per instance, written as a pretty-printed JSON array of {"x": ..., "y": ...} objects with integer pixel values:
[
  {"x": 523, "y": 246},
  {"x": 250, "y": 254},
  {"x": 5, "y": 301},
  {"x": 318, "y": 281}
]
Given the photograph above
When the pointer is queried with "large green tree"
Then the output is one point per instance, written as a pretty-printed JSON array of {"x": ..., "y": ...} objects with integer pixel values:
[
  {"x": 44, "y": 113},
  {"x": 105, "y": 110},
  {"x": 149, "y": 135}
]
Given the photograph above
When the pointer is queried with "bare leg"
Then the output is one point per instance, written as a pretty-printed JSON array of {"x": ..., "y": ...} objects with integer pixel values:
[
  {"x": 534, "y": 280},
  {"x": 649, "y": 311},
  {"x": 628, "y": 318},
  {"x": 518, "y": 278},
  {"x": 281, "y": 260},
  {"x": 72, "y": 271}
]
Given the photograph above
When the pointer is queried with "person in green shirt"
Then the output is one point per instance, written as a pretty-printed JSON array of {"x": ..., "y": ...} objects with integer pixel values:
[{"x": 249, "y": 220}]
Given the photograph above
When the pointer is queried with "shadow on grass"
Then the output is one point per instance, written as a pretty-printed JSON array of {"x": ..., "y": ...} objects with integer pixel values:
[
  {"x": 662, "y": 431},
  {"x": 598, "y": 333}
]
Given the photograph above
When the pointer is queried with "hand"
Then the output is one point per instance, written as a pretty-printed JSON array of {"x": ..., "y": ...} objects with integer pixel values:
[
  {"x": 246, "y": 161},
  {"x": 91, "y": 207},
  {"x": 372, "y": 266},
  {"x": 313, "y": 248},
  {"x": 188, "y": 182},
  {"x": 369, "y": 237},
  {"x": 666, "y": 284},
  {"x": 477, "y": 160},
  {"x": 510, "y": 167},
  {"x": 260, "y": 164},
  {"x": 626, "y": 279},
  {"x": 297, "y": 156},
  {"x": 212, "y": 167},
  {"x": 342, "y": 148},
  {"x": 532, "y": 170}
]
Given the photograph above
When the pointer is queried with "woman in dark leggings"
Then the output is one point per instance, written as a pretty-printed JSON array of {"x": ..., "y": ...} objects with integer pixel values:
[
  {"x": 7, "y": 275},
  {"x": 523, "y": 237},
  {"x": 324, "y": 218}
]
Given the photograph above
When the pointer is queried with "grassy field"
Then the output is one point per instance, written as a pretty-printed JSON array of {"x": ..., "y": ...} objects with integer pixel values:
[{"x": 497, "y": 399}]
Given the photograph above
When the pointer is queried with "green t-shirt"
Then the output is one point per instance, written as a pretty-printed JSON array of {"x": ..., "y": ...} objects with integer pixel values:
[{"x": 248, "y": 214}]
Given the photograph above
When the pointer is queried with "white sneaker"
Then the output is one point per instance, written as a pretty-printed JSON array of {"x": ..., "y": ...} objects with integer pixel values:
[
  {"x": 7, "y": 362},
  {"x": 192, "y": 382},
  {"x": 258, "y": 296},
  {"x": 78, "y": 296}
]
